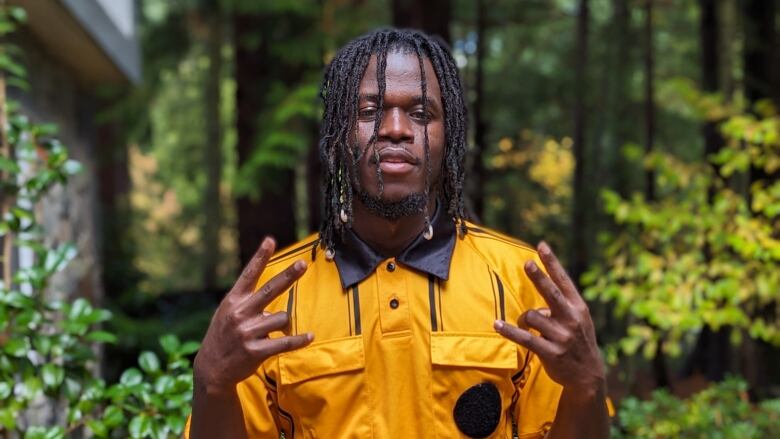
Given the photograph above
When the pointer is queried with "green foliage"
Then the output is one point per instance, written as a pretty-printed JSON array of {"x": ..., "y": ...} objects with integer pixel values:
[
  {"x": 721, "y": 411},
  {"x": 153, "y": 400},
  {"x": 47, "y": 346},
  {"x": 705, "y": 253}
]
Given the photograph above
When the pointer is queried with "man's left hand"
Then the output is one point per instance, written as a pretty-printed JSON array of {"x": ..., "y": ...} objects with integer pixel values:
[{"x": 567, "y": 344}]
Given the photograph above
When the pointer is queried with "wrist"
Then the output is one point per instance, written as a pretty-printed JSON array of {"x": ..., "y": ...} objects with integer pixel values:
[
  {"x": 206, "y": 385},
  {"x": 588, "y": 392},
  {"x": 211, "y": 390}
]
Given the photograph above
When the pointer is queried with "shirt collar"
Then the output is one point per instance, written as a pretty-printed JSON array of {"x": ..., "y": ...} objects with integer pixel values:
[{"x": 356, "y": 260}]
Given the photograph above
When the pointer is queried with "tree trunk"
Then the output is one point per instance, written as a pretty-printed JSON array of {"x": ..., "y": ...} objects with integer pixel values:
[
  {"x": 622, "y": 130},
  {"x": 432, "y": 17},
  {"x": 760, "y": 50},
  {"x": 273, "y": 214},
  {"x": 579, "y": 250},
  {"x": 213, "y": 152},
  {"x": 649, "y": 96},
  {"x": 479, "y": 174}
]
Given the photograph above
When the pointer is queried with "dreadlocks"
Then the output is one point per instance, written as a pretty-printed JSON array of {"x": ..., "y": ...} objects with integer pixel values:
[{"x": 338, "y": 144}]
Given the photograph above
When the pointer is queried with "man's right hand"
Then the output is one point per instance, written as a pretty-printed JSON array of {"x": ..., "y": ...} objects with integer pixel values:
[{"x": 237, "y": 341}]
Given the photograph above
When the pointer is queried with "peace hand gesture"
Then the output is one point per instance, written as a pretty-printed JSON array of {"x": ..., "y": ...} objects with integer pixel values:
[
  {"x": 237, "y": 342},
  {"x": 567, "y": 344}
]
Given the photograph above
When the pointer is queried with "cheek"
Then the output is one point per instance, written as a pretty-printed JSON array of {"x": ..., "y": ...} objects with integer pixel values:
[{"x": 436, "y": 141}]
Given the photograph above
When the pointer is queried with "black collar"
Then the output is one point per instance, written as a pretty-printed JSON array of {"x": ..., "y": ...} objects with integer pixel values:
[{"x": 356, "y": 260}]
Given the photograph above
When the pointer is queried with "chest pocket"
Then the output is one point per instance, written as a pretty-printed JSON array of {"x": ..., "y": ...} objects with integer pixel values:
[
  {"x": 460, "y": 360},
  {"x": 325, "y": 384}
]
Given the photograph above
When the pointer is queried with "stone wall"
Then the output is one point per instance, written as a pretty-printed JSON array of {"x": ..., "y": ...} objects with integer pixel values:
[{"x": 69, "y": 213}]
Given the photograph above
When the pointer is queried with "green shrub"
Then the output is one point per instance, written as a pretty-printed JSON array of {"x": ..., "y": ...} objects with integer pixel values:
[{"x": 721, "y": 411}]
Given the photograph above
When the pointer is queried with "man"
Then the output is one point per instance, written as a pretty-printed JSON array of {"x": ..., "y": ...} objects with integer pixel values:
[{"x": 393, "y": 321}]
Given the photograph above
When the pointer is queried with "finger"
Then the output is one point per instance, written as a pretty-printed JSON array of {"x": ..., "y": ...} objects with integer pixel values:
[
  {"x": 250, "y": 274},
  {"x": 543, "y": 348},
  {"x": 557, "y": 272},
  {"x": 269, "y": 347},
  {"x": 274, "y": 287},
  {"x": 547, "y": 327},
  {"x": 260, "y": 327},
  {"x": 521, "y": 320},
  {"x": 549, "y": 291}
]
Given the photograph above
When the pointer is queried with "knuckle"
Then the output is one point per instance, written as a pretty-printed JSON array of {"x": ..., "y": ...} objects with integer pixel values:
[{"x": 233, "y": 317}]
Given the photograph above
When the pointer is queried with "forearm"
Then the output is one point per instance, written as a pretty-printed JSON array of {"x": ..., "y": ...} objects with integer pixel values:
[
  {"x": 216, "y": 415},
  {"x": 581, "y": 415}
]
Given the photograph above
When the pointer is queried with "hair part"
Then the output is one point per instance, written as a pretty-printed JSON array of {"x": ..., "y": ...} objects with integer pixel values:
[{"x": 339, "y": 150}]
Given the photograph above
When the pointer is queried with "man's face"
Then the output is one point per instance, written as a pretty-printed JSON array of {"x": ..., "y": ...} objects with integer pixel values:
[{"x": 401, "y": 135}]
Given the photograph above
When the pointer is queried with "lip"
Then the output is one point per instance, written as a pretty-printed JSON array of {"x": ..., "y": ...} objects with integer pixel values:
[{"x": 396, "y": 161}]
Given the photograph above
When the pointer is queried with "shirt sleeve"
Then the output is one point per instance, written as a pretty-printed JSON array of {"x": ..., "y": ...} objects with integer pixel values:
[{"x": 258, "y": 406}]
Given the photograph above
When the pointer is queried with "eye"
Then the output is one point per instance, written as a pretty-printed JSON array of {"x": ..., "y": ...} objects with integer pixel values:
[
  {"x": 367, "y": 113},
  {"x": 419, "y": 114}
]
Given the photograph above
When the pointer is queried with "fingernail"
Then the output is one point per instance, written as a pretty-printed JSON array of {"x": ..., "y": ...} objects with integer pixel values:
[
  {"x": 309, "y": 336},
  {"x": 300, "y": 265},
  {"x": 266, "y": 244},
  {"x": 544, "y": 249},
  {"x": 266, "y": 313},
  {"x": 498, "y": 325},
  {"x": 531, "y": 267}
]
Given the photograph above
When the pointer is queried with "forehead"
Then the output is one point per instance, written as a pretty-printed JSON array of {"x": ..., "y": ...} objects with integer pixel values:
[{"x": 402, "y": 76}]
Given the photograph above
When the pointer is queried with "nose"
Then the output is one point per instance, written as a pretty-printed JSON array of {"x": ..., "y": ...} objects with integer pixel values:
[{"x": 395, "y": 127}]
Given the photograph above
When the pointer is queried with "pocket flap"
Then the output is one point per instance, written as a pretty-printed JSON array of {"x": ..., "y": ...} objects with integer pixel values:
[
  {"x": 322, "y": 358},
  {"x": 469, "y": 349}
]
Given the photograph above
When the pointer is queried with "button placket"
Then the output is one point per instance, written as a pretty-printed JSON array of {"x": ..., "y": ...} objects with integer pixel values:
[{"x": 392, "y": 297}]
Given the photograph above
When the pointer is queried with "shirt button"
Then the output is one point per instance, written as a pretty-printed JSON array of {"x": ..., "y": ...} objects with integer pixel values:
[
  {"x": 394, "y": 303},
  {"x": 390, "y": 267}
]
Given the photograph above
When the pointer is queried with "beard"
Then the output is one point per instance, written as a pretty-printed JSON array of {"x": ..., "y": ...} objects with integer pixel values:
[{"x": 409, "y": 205}]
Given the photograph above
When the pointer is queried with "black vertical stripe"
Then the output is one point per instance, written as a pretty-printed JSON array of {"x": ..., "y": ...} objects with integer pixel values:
[
  {"x": 441, "y": 306},
  {"x": 495, "y": 299},
  {"x": 356, "y": 304},
  {"x": 432, "y": 300},
  {"x": 290, "y": 299},
  {"x": 501, "y": 297},
  {"x": 349, "y": 315}
]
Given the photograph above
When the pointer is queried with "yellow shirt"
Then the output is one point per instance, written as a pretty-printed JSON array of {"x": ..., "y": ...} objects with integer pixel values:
[{"x": 399, "y": 340}]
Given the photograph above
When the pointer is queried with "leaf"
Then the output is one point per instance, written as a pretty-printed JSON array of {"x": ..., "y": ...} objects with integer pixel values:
[
  {"x": 170, "y": 343},
  {"x": 52, "y": 375},
  {"x": 102, "y": 337},
  {"x": 149, "y": 362},
  {"x": 98, "y": 427},
  {"x": 17, "y": 347},
  {"x": 163, "y": 384},
  {"x": 113, "y": 416},
  {"x": 18, "y": 14},
  {"x": 189, "y": 348},
  {"x": 131, "y": 377},
  {"x": 140, "y": 426}
]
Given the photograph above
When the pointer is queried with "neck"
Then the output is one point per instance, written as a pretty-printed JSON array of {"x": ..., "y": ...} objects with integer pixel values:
[{"x": 388, "y": 237}]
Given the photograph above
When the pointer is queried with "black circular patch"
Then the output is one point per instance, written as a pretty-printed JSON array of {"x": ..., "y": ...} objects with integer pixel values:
[{"x": 478, "y": 410}]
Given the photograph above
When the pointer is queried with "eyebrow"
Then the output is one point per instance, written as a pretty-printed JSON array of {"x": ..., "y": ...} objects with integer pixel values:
[{"x": 416, "y": 100}]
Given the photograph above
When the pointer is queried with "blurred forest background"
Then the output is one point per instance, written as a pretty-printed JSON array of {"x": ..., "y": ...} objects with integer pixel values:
[{"x": 639, "y": 137}]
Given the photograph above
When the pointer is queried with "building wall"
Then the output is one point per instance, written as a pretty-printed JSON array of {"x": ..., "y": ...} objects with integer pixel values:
[{"x": 69, "y": 213}]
